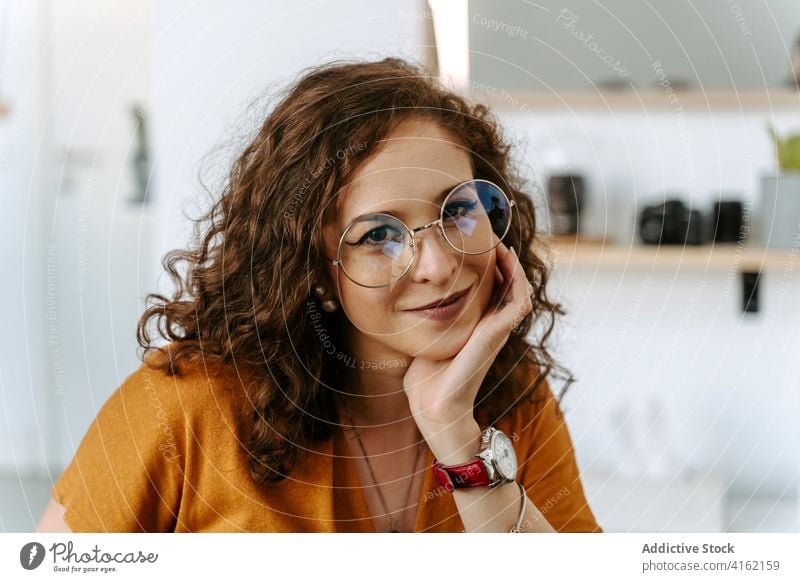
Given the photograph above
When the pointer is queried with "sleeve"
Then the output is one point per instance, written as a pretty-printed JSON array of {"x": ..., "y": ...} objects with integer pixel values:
[
  {"x": 127, "y": 473},
  {"x": 549, "y": 470}
]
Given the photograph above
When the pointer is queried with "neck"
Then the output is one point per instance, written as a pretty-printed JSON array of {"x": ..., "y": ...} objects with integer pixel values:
[
  {"x": 373, "y": 385},
  {"x": 379, "y": 399}
]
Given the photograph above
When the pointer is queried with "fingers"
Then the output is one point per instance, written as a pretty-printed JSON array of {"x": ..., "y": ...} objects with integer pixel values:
[
  {"x": 511, "y": 270},
  {"x": 516, "y": 301},
  {"x": 500, "y": 275}
]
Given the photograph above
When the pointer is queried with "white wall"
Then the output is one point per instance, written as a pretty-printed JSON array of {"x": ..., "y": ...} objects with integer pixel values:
[
  {"x": 74, "y": 241},
  {"x": 23, "y": 156},
  {"x": 100, "y": 70}
]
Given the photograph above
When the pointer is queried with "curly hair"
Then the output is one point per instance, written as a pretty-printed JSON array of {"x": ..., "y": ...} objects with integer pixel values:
[{"x": 246, "y": 299}]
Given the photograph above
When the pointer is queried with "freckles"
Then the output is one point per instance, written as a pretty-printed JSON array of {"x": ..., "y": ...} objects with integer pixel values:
[
  {"x": 488, "y": 282},
  {"x": 368, "y": 308},
  {"x": 487, "y": 273}
]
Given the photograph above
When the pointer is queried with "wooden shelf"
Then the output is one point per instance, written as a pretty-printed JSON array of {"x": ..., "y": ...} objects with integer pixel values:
[
  {"x": 778, "y": 98},
  {"x": 597, "y": 254}
]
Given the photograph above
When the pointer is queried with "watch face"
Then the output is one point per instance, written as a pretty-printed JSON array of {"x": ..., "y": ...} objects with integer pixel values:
[{"x": 505, "y": 458}]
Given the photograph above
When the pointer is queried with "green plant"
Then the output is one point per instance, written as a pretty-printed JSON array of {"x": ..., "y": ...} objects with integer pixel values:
[{"x": 788, "y": 149}]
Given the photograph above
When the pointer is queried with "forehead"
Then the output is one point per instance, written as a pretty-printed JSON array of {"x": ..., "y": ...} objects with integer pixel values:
[{"x": 416, "y": 162}]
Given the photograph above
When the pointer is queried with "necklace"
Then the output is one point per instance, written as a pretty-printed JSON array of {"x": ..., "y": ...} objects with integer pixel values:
[{"x": 392, "y": 527}]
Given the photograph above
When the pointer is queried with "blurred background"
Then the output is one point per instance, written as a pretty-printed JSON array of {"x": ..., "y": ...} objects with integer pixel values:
[{"x": 660, "y": 143}]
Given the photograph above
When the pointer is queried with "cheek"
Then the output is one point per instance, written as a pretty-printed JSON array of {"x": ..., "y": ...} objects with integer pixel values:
[
  {"x": 365, "y": 308},
  {"x": 486, "y": 277}
]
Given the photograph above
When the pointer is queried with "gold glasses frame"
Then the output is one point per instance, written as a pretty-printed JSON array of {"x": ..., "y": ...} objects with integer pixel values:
[{"x": 412, "y": 232}]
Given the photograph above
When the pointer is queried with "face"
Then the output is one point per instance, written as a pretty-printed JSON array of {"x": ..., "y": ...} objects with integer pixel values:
[{"x": 408, "y": 177}]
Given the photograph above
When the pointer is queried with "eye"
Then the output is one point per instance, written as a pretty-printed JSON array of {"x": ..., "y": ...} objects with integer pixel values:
[
  {"x": 378, "y": 235},
  {"x": 459, "y": 208}
]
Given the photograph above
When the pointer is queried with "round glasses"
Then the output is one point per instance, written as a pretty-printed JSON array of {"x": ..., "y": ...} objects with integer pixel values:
[{"x": 375, "y": 250}]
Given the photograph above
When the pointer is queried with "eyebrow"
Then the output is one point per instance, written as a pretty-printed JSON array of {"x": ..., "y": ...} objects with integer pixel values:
[{"x": 391, "y": 212}]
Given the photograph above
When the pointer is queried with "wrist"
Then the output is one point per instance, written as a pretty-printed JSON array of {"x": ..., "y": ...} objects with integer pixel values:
[{"x": 455, "y": 443}]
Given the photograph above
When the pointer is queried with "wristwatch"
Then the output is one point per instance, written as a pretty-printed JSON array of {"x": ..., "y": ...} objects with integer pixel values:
[{"x": 495, "y": 464}]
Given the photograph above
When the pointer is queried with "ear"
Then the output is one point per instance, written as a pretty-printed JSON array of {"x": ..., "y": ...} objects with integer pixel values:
[
  {"x": 328, "y": 278},
  {"x": 327, "y": 272}
]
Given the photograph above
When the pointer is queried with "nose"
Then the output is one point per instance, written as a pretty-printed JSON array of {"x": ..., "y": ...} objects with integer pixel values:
[{"x": 435, "y": 261}]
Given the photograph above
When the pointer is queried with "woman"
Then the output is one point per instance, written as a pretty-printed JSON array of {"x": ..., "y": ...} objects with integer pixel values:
[{"x": 346, "y": 351}]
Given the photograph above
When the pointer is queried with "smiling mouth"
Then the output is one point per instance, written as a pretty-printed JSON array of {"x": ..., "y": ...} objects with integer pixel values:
[{"x": 442, "y": 302}]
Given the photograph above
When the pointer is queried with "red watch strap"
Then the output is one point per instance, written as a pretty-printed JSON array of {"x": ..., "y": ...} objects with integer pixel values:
[{"x": 470, "y": 474}]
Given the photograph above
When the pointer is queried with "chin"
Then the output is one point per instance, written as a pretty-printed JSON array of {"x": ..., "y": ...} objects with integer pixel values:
[
  {"x": 437, "y": 353},
  {"x": 442, "y": 345}
]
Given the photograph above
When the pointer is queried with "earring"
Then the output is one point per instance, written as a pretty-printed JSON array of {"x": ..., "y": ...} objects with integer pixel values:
[{"x": 329, "y": 305}]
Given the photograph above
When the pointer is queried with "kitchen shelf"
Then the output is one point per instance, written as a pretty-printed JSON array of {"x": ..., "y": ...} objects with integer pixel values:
[
  {"x": 649, "y": 99},
  {"x": 569, "y": 252}
]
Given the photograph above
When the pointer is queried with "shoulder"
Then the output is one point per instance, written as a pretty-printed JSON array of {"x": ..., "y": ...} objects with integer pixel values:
[
  {"x": 148, "y": 438},
  {"x": 151, "y": 403}
]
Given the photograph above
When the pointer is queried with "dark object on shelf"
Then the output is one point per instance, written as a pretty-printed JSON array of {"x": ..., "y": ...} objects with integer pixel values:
[
  {"x": 140, "y": 161},
  {"x": 727, "y": 217},
  {"x": 750, "y": 288},
  {"x": 670, "y": 223},
  {"x": 614, "y": 84},
  {"x": 565, "y": 194}
]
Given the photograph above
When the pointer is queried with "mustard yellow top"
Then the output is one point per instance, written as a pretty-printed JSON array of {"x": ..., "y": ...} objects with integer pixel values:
[{"x": 164, "y": 454}]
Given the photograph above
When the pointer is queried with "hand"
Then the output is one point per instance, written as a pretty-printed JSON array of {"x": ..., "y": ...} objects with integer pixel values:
[{"x": 442, "y": 393}]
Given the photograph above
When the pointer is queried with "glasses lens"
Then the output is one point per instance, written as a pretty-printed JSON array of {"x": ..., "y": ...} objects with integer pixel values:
[
  {"x": 375, "y": 250},
  {"x": 476, "y": 216}
]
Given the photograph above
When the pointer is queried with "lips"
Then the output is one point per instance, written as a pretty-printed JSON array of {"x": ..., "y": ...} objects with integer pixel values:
[{"x": 442, "y": 302}]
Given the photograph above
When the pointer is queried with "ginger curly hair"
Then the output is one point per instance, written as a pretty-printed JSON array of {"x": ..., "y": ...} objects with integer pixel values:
[{"x": 246, "y": 298}]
